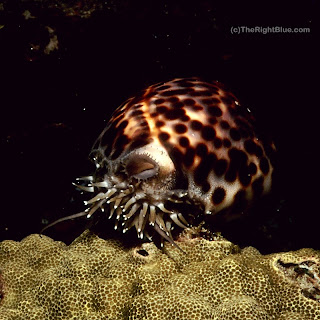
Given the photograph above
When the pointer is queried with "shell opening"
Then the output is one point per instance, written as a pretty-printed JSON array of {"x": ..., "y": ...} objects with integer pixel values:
[{"x": 141, "y": 167}]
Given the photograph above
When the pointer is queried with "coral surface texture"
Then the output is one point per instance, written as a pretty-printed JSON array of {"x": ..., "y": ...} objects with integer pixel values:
[{"x": 93, "y": 278}]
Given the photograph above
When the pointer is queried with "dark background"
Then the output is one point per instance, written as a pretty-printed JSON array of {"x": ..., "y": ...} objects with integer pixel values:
[{"x": 55, "y": 103}]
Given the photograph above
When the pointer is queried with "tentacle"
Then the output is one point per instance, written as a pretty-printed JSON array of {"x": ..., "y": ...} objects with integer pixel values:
[
  {"x": 174, "y": 217},
  {"x": 126, "y": 191},
  {"x": 98, "y": 197},
  {"x": 88, "y": 187},
  {"x": 111, "y": 212},
  {"x": 85, "y": 178},
  {"x": 152, "y": 216},
  {"x": 161, "y": 223},
  {"x": 144, "y": 208},
  {"x": 84, "y": 188},
  {"x": 129, "y": 203},
  {"x": 118, "y": 212},
  {"x": 180, "y": 193},
  {"x": 162, "y": 208},
  {"x": 117, "y": 203},
  {"x": 73, "y": 216},
  {"x": 181, "y": 217},
  {"x": 116, "y": 197},
  {"x": 169, "y": 228},
  {"x": 95, "y": 208},
  {"x": 175, "y": 200},
  {"x": 133, "y": 210},
  {"x": 141, "y": 221},
  {"x": 166, "y": 237},
  {"x": 102, "y": 184}
]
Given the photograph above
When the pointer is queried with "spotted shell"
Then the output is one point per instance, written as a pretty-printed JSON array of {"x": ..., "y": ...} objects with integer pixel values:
[{"x": 178, "y": 149}]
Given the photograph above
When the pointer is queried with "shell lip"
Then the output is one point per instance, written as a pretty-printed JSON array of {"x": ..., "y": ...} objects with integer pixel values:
[{"x": 141, "y": 166}]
